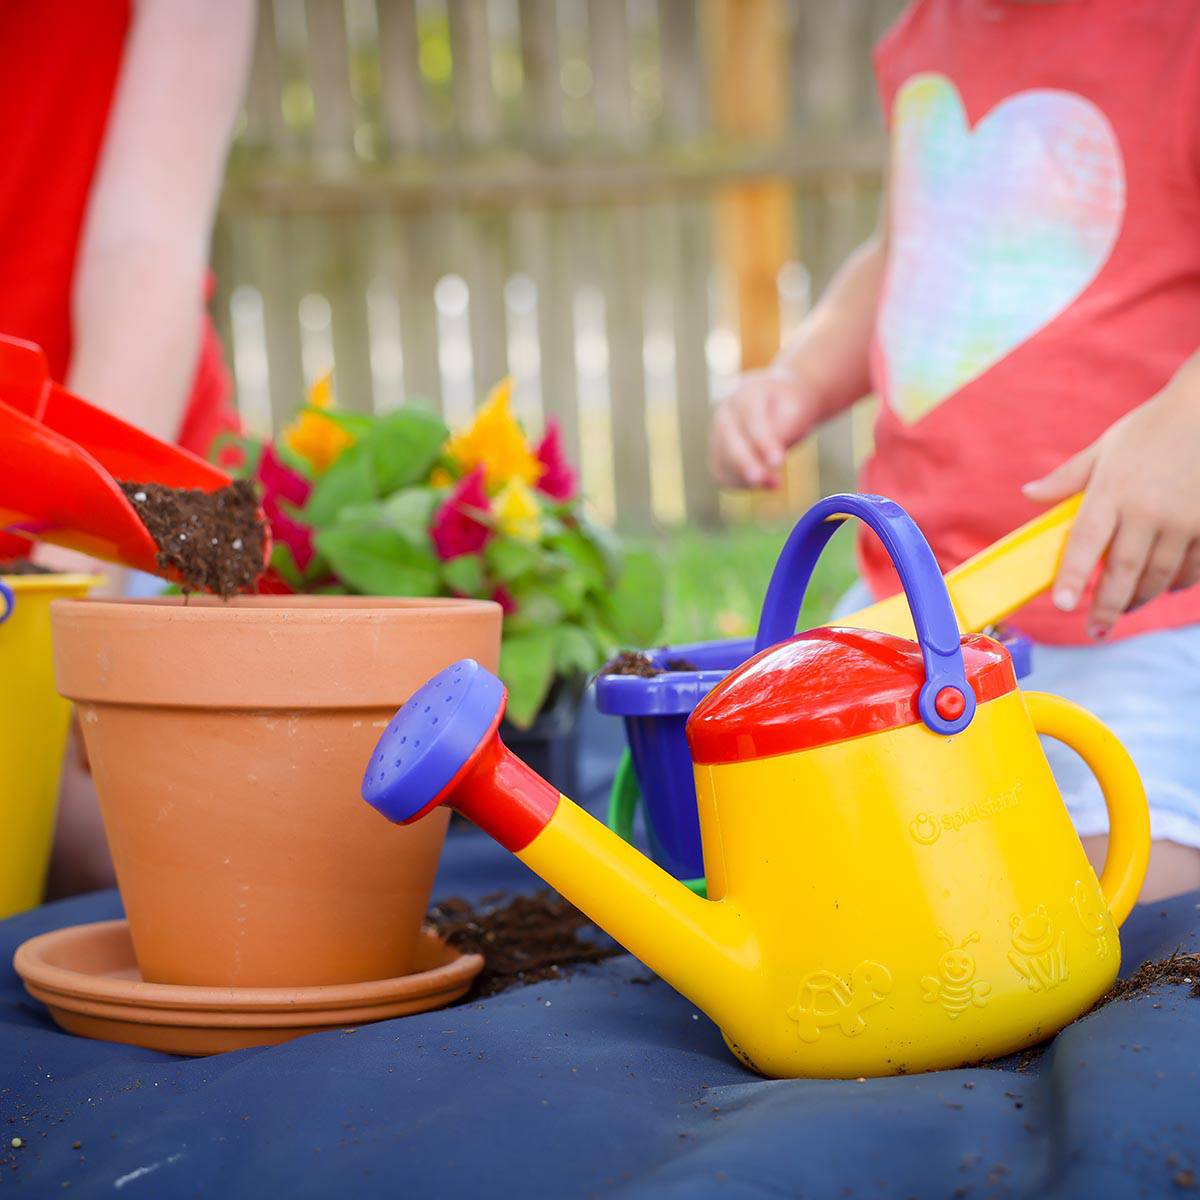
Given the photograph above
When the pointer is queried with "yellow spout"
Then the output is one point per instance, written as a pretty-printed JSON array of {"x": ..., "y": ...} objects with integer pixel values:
[{"x": 704, "y": 949}]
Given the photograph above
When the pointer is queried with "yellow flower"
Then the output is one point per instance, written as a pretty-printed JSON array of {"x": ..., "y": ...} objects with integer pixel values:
[
  {"x": 517, "y": 511},
  {"x": 313, "y": 435},
  {"x": 495, "y": 439},
  {"x": 440, "y": 477}
]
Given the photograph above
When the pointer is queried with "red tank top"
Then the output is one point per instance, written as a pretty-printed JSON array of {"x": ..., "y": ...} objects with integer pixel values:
[
  {"x": 60, "y": 74},
  {"x": 1044, "y": 268}
]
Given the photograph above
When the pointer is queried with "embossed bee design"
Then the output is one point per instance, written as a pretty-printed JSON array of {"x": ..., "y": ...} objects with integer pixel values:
[
  {"x": 826, "y": 999},
  {"x": 1039, "y": 957},
  {"x": 956, "y": 987},
  {"x": 1091, "y": 914}
]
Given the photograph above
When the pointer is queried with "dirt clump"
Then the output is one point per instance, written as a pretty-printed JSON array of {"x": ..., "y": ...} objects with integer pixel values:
[
  {"x": 1178, "y": 969},
  {"x": 638, "y": 662},
  {"x": 529, "y": 939},
  {"x": 210, "y": 541},
  {"x": 22, "y": 566}
]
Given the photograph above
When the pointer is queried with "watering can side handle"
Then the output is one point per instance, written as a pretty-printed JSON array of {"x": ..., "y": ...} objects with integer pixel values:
[
  {"x": 1124, "y": 796},
  {"x": 946, "y": 702}
]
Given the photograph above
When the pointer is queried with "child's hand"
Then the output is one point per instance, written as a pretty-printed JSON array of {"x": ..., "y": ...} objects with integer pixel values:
[
  {"x": 1141, "y": 509},
  {"x": 767, "y": 413}
]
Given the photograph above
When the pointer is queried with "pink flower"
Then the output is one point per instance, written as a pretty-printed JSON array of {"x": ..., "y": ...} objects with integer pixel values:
[
  {"x": 456, "y": 527},
  {"x": 280, "y": 483},
  {"x": 558, "y": 478},
  {"x": 503, "y": 597}
]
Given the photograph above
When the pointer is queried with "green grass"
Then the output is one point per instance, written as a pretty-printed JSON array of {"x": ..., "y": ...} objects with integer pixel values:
[{"x": 716, "y": 580}]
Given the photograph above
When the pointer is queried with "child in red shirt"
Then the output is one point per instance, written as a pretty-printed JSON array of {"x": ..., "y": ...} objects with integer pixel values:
[
  {"x": 1029, "y": 315},
  {"x": 117, "y": 116}
]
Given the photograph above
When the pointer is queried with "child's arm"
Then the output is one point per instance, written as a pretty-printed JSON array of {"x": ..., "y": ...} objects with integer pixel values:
[
  {"x": 138, "y": 293},
  {"x": 820, "y": 372},
  {"x": 1141, "y": 506}
]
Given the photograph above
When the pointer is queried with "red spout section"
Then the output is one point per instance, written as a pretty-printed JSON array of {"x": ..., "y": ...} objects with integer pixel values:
[
  {"x": 444, "y": 747},
  {"x": 507, "y": 799}
]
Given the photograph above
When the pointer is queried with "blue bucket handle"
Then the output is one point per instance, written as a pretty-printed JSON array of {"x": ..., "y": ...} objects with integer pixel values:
[
  {"x": 8, "y": 600},
  {"x": 932, "y": 612}
]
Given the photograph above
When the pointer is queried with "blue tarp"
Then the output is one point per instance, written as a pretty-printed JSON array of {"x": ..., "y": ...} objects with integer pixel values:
[{"x": 603, "y": 1083}]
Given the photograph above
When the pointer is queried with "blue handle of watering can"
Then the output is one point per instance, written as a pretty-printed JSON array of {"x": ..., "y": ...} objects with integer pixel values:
[
  {"x": 8, "y": 600},
  {"x": 933, "y": 615}
]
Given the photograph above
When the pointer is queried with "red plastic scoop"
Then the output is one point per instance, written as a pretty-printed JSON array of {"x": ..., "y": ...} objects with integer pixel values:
[{"x": 60, "y": 458}]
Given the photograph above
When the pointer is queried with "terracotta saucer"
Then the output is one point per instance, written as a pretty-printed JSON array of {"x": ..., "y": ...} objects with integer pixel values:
[{"x": 88, "y": 978}]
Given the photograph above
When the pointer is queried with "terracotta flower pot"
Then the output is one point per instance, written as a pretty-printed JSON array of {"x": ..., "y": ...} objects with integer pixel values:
[{"x": 227, "y": 741}]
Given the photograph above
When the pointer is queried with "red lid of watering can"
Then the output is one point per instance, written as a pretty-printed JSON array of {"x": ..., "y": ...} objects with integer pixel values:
[{"x": 828, "y": 685}]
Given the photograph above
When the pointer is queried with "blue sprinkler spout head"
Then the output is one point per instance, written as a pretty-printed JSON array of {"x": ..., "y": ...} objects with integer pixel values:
[{"x": 432, "y": 740}]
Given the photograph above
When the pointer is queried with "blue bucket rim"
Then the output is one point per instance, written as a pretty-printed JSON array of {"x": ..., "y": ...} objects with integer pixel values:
[{"x": 676, "y": 693}]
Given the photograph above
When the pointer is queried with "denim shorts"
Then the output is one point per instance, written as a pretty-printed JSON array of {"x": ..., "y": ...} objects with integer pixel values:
[{"x": 1146, "y": 689}]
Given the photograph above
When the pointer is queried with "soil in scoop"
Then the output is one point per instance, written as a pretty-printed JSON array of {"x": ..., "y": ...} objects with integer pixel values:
[
  {"x": 529, "y": 939},
  {"x": 213, "y": 541},
  {"x": 637, "y": 662}
]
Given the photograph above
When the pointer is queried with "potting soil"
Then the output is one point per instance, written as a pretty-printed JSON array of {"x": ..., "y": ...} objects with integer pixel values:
[
  {"x": 23, "y": 566},
  {"x": 530, "y": 938},
  {"x": 213, "y": 541},
  {"x": 638, "y": 662}
]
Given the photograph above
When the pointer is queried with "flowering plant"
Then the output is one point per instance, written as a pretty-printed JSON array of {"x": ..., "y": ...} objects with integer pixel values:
[{"x": 393, "y": 504}]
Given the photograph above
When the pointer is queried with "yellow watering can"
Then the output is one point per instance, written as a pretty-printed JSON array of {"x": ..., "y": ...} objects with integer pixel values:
[
  {"x": 33, "y": 732},
  {"x": 894, "y": 884}
]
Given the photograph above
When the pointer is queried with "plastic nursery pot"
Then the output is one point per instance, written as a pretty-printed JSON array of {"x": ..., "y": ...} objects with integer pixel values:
[
  {"x": 655, "y": 711},
  {"x": 33, "y": 732},
  {"x": 227, "y": 742}
]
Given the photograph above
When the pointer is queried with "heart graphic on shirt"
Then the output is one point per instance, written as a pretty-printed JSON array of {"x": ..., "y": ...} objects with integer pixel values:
[{"x": 994, "y": 230}]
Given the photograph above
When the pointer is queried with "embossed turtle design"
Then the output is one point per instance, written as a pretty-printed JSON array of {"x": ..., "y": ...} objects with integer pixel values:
[{"x": 826, "y": 999}]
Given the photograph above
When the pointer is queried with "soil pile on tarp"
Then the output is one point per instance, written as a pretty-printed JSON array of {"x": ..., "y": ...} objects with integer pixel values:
[
  {"x": 1179, "y": 969},
  {"x": 529, "y": 939},
  {"x": 212, "y": 541}
]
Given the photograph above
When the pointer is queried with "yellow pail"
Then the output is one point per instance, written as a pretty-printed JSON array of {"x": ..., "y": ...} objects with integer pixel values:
[{"x": 33, "y": 732}]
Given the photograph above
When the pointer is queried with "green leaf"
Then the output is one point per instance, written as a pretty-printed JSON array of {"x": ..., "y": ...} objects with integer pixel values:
[
  {"x": 318, "y": 568},
  {"x": 575, "y": 652},
  {"x": 567, "y": 590},
  {"x": 410, "y": 512},
  {"x": 465, "y": 575},
  {"x": 605, "y": 544},
  {"x": 379, "y": 562},
  {"x": 634, "y": 608},
  {"x": 406, "y": 444},
  {"x": 371, "y": 513},
  {"x": 585, "y": 555},
  {"x": 527, "y": 669},
  {"x": 351, "y": 480},
  {"x": 509, "y": 559},
  {"x": 283, "y": 562},
  {"x": 535, "y": 610}
]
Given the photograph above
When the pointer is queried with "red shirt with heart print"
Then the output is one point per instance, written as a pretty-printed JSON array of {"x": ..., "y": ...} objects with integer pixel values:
[{"x": 1043, "y": 274}]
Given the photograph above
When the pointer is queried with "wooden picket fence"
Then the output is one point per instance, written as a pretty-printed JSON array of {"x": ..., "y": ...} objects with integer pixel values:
[{"x": 621, "y": 202}]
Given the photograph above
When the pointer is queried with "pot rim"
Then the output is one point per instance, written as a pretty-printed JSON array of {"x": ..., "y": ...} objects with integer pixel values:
[
  {"x": 268, "y": 653},
  {"x": 261, "y": 609}
]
